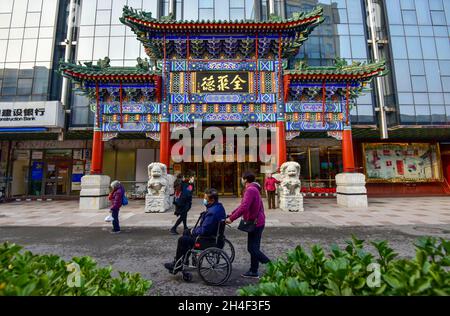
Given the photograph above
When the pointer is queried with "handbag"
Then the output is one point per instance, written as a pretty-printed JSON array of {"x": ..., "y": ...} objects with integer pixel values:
[{"x": 247, "y": 226}]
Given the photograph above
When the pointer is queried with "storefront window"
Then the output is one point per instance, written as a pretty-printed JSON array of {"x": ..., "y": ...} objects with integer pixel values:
[
  {"x": 385, "y": 162},
  {"x": 319, "y": 165}
]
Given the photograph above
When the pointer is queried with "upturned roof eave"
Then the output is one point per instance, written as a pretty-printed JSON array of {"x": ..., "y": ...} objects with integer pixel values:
[{"x": 142, "y": 21}]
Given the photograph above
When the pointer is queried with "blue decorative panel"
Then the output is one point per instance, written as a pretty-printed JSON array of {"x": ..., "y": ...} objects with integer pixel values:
[
  {"x": 131, "y": 108},
  {"x": 222, "y": 65},
  {"x": 266, "y": 65},
  {"x": 221, "y": 98},
  {"x": 297, "y": 107},
  {"x": 131, "y": 127},
  {"x": 178, "y": 98},
  {"x": 267, "y": 98},
  {"x": 224, "y": 117},
  {"x": 178, "y": 65},
  {"x": 314, "y": 126}
]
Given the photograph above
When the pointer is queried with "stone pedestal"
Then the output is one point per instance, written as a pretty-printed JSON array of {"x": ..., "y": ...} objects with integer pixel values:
[
  {"x": 94, "y": 192},
  {"x": 158, "y": 204},
  {"x": 291, "y": 203},
  {"x": 351, "y": 190},
  {"x": 155, "y": 204}
]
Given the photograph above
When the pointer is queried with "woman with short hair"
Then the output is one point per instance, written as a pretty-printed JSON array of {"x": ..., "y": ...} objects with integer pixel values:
[{"x": 116, "y": 198}]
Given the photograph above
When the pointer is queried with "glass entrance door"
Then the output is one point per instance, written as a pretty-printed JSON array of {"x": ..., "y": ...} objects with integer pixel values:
[
  {"x": 57, "y": 177},
  {"x": 223, "y": 177}
]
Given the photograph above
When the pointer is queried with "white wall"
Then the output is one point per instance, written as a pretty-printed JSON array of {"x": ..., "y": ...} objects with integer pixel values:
[{"x": 144, "y": 157}]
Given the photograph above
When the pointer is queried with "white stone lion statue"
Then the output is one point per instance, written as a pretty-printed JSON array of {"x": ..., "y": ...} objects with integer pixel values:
[
  {"x": 160, "y": 189},
  {"x": 158, "y": 183},
  {"x": 291, "y": 198},
  {"x": 290, "y": 178}
]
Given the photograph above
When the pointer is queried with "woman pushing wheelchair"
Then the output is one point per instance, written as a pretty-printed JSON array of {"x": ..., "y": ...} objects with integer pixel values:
[{"x": 207, "y": 226}]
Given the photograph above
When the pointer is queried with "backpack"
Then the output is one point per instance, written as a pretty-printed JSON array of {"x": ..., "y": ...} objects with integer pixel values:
[{"x": 124, "y": 200}]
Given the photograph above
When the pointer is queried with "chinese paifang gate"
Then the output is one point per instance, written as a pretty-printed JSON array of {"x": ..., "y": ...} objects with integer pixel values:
[{"x": 222, "y": 73}]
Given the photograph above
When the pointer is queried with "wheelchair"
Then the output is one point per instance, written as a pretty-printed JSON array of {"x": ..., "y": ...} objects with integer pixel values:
[{"x": 211, "y": 256}]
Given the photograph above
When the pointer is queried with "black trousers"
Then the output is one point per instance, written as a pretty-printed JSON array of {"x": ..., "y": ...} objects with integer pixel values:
[
  {"x": 115, "y": 222},
  {"x": 254, "y": 248},
  {"x": 271, "y": 198},
  {"x": 185, "y": 243},
  {"x": 181, "y": 219}
]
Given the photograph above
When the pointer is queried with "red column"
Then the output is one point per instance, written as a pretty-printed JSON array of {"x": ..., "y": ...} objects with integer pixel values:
[
  {"x": 281, "y": 143},
  {"x": 348, "y": 158},
  {"x": 97, "y": 153},
  {"x": 165, "y": 144}
]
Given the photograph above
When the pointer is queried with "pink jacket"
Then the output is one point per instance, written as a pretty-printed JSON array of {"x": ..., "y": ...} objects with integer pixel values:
[
  {"x": 252, "y": 206},
  {"x": 270, "y": 184}
]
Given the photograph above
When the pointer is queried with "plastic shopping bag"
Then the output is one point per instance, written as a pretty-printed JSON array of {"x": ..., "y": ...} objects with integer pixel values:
[{"x": 109, "y": 219}]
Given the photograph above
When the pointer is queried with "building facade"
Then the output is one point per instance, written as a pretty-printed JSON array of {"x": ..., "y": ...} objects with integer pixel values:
[{"x": 411, "y": 104}]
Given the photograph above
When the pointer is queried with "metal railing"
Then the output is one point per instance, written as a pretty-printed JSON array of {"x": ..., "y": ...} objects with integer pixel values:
[{"x": 135, "y": 190}]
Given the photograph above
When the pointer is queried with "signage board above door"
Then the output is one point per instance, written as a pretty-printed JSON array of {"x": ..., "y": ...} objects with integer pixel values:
[{"x": 222, "y": 82}]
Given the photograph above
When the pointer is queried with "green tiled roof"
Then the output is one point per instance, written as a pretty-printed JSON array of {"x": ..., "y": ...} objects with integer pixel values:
[
  {"x": 88, "y": 71},
  {"x": 358, "y": 70},
  {"x": 134, "y": 17}
]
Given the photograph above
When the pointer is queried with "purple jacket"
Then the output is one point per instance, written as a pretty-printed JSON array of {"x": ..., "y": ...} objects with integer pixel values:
[
  {"x": 251, "y": 207},
  {"x": 116, "y": 198}
]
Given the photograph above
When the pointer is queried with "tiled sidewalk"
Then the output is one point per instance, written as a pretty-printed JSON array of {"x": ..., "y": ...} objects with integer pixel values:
[{"x": 318, "y": 212}]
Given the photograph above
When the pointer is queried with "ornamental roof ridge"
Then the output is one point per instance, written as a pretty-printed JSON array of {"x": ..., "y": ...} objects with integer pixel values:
[
  {"x": 134, "y": 17},
  {"x": 103, "y": 68},
  {"x": 340, "y": 68}
]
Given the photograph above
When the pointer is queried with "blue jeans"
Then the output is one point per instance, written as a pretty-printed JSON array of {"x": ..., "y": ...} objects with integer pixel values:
[
  {"x": 115, "y": 215},
  {"x": 254, "y": 248}
]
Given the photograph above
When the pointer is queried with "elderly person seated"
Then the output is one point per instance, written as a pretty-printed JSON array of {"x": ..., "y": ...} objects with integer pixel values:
[{"x": 208, "y": 226}]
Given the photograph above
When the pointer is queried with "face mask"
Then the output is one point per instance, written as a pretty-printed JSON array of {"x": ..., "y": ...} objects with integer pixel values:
[
  {"x": 205, "y": 202},
  {"x": 243, "y": 182}
]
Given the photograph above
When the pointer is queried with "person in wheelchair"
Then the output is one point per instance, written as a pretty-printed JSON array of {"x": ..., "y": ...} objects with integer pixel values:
[{"x": 208, "y": 225}]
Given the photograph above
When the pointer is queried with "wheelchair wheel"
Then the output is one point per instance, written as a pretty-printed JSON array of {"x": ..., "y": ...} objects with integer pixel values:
[
  {"x": 214, "y": 266},
  {"x": 229, "y": 249}
]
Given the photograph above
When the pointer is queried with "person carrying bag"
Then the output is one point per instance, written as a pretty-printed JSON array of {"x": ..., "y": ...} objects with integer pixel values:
[{"x": 253, "y": 221}]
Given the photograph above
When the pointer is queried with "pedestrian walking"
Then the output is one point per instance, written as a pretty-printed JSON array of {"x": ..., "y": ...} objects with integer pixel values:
[
  {"x": 253, "y": 220},
  {"x": 183, "y": 203},
  {"x": 116, "y": 197},
  {"x": 270, "y": 185}
]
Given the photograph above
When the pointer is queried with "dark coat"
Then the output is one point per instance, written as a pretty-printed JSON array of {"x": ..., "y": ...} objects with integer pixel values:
[
  {"x": 210, "y": 220},
  {"x": 183, "y": 202}
]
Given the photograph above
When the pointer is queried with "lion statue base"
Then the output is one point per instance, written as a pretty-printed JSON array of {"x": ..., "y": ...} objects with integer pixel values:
[
  {"x": 291, "y": 197},
  {"x": 159, "y": 198}
]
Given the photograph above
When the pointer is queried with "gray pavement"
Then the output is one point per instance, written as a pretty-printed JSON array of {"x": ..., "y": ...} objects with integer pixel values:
[
  {"x": 145, "y": 249},
  {"x": 318, "y": 212}
]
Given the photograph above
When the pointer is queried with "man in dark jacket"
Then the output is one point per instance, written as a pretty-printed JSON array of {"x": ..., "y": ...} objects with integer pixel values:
[
  {"x": 208, "y": 226},
  {"x": 116, "y": 198}
]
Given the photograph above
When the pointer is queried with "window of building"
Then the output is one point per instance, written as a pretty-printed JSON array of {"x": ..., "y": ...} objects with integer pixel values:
[{"x": 26, "y": 48}]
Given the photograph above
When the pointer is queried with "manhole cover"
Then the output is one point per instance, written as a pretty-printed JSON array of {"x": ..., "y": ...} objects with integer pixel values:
[{"x": 431, "y": 230}]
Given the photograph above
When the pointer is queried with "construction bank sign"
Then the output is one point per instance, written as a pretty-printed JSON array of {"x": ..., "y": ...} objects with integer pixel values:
[{"x": 48, "y": 114}]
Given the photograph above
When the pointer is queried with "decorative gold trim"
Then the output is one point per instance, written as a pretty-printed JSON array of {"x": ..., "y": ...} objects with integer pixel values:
[
  {"x": 193, "y": 81},
  {"x": 181, "y": 82}
]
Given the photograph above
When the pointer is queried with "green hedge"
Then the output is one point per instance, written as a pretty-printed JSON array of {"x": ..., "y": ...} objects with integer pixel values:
[
  {"x": 350, "y": 271},
  {"x": 25, "y": 274}
]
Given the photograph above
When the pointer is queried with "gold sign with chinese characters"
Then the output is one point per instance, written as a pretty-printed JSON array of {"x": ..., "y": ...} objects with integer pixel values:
[{"x": 222, "y": 82}]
